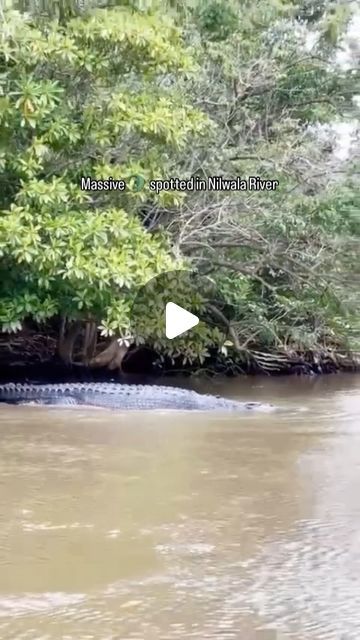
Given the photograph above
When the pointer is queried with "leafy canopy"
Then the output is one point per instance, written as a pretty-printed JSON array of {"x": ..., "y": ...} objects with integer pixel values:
[
  {"x": 115, "y": 92},
  {"x": 77, "y": 101}
]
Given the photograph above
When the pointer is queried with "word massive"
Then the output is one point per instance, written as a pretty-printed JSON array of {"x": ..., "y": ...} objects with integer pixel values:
[{"x": 91, "y": 184}]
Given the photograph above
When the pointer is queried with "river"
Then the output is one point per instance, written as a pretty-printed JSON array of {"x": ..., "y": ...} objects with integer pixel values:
[{"x": 170, "y": 525}]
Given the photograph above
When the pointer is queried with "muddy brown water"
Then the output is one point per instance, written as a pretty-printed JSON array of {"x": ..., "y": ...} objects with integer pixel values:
[{"x": 163, "y": 526}]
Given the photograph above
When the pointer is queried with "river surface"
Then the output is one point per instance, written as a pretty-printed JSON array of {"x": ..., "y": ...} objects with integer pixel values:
[{"x": 160, "y": 526}]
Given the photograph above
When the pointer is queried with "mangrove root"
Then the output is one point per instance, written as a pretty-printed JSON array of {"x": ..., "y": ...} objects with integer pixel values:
[{"x": 111, "y": 357}]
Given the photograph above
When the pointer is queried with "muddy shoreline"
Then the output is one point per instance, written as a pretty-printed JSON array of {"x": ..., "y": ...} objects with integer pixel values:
[
  {"x": 30, "y": 356},
  {"x": 143, "y": 369}
]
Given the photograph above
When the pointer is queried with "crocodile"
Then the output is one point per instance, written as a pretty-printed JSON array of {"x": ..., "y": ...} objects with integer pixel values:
[{"x": 121, "y": 396}]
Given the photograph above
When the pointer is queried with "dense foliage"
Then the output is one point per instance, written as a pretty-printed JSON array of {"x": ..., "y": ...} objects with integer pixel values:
[{"x": 202, "y": 89}]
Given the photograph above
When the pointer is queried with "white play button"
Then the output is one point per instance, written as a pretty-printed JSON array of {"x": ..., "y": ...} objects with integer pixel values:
[{"x": 178, "y": 320}]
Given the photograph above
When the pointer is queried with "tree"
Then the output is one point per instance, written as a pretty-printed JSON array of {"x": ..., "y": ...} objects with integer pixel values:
[
  {"x": 285, "y": 260},
  {"x": 87, "y": 99}
]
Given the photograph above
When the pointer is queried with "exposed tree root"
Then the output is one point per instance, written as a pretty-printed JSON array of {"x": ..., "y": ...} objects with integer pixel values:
[
  {"x": 77, "y": 345},
  {"x": 111, "y": 357},
  {"x": 67, "y": 341}
]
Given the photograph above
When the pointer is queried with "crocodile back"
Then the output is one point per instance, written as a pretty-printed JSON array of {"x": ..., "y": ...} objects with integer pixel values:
[{"x": 120, "y": 396}]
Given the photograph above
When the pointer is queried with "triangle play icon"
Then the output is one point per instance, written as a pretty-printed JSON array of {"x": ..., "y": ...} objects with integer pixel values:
[{"x": 178, "y": 320}]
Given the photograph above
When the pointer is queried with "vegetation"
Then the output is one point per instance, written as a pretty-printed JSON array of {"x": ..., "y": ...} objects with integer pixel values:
[{"x": 203, "y": 89}]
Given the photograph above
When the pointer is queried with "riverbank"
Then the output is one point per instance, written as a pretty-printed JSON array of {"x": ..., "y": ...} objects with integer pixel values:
[{"x": 34, "y": 357}]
